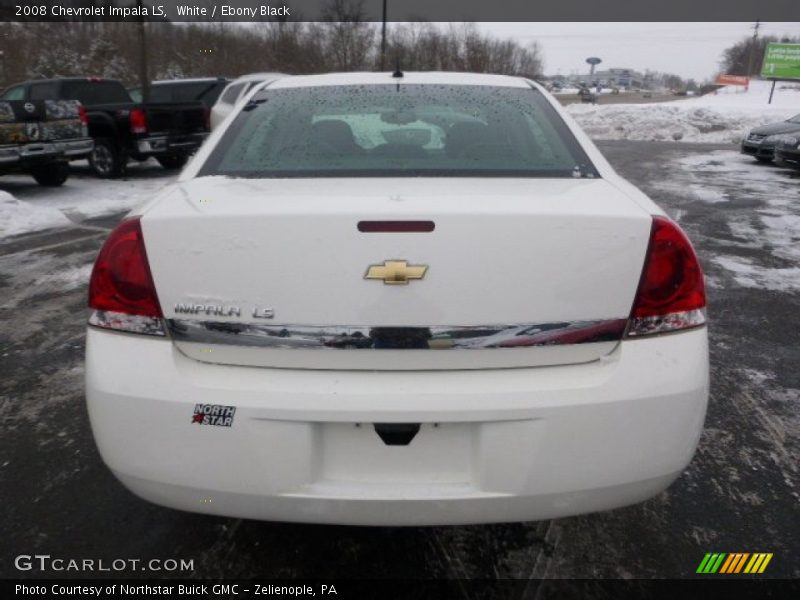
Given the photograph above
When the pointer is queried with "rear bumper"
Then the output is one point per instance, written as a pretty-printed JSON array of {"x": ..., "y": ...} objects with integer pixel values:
[
  {"x": 495, "y": 445},
  {"x": 159, "y": 145},
  {"x": 40, "y": 152}
]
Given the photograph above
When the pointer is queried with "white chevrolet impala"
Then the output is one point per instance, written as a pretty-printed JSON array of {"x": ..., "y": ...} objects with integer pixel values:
[{"x": 397, "y": 299}]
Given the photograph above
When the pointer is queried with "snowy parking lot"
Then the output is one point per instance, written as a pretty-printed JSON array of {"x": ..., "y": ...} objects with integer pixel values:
[
  {"x": 27, "y": 208},
  {"x": 742, "y": 488}
]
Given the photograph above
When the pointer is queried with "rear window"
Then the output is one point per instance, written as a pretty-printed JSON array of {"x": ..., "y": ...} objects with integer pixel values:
[
  {"x": 232, "y": 93},
  {"x": 398, "y": 130},
  {"x": 95, "y": 92},
  {"x": 206, "y": 92}
]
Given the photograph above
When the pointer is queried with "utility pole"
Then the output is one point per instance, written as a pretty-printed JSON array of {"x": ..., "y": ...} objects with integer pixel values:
[
  {"x": 383, "y": 39},
  {"x": 753, "y": 46},
  {"x": 144, "y": 80}
]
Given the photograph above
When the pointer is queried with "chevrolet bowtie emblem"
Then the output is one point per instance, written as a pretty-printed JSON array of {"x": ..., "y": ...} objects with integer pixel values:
[{"x": 396, "y": 272}]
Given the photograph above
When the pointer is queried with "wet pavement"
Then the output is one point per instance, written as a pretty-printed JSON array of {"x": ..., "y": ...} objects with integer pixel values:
[{"x": 740, "y": 493}]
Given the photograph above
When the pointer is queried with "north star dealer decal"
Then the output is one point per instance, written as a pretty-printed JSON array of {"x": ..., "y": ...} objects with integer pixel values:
[{"x": 213, "y": 414}]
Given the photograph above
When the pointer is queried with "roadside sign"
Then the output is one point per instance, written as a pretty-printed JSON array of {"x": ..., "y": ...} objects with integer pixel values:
[
  {"x": 781, "y": 61},
  {"x": 733, "y": 80}
]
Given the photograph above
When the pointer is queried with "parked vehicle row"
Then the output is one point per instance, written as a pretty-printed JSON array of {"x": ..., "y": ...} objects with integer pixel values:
[
  {"x": 170, "y": 126},
  {"x": 776, "y": 142},
  {"x": 121, "y": 128}
]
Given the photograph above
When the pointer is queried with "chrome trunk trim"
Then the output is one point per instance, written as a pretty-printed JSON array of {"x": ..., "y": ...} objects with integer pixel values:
[{"x": 378, "y": 338}]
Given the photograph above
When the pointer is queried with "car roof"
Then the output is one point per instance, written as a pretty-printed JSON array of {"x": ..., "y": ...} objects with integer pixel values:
[
  {"x": 412, "y": 77},
  {"x": 258, "y": 77}
]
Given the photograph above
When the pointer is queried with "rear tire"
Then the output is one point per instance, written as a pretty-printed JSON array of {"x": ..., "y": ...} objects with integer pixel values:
[
  {"x": 171, "y": 162},
  {"x": 106, "y": 159},
  {"x": 52, "y": 175}
]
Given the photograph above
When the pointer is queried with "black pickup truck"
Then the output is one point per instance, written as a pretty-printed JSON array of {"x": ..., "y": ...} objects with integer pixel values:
[
  {"x": 123, "y": 129},
  {"x": 39, "y": 137}
]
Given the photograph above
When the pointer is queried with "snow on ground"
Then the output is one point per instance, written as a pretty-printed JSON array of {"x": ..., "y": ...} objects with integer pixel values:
[
  {"x": 749, "y": 274},
  {"x": 18, "y": 216},
  {"x": 26, "y": 206},
  {"x": 724, "y": 117},
  {"x": 67, "y": 278},
  {"x": 769, "y": 221}
]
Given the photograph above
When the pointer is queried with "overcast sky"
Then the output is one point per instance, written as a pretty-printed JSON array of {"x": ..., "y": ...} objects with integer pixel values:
[{"x": 686, "y": 49}]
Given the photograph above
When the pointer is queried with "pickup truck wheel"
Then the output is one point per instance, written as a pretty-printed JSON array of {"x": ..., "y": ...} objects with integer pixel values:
[
  {"x": 106, "y": 159},
  {"x": 52, "y": 175},
  {"x": 172, "y": 162}
]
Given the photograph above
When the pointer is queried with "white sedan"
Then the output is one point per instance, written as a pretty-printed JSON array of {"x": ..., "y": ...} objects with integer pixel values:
[{"x": 296, "y": 330}]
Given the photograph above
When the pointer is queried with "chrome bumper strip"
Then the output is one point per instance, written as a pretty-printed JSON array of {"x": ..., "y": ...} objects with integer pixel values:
[{"x": 378, "y": 338}]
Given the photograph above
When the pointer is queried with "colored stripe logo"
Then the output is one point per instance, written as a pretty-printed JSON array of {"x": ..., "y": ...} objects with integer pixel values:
[{"x": 734, "y": 562}]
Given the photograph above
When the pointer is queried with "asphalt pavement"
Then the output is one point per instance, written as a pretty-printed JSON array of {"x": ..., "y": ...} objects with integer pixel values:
[{"x": 740, "y": 493}]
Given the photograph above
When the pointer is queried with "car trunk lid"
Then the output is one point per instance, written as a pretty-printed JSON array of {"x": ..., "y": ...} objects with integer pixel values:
[{"x": 518, "y": 272}]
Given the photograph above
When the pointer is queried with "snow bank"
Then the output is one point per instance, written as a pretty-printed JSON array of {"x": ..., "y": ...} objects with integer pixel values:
[
  {"x": 724, "y": 117},
  {"x": 82, "y": 197},
  {"x": 787, "y": 95},
  {"x": 18, "y": 217}
]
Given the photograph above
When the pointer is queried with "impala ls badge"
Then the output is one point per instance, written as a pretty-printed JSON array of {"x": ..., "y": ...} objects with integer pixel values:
[
  {"x": 221, "y": 310},
  {"x": 396, "y": 272}
]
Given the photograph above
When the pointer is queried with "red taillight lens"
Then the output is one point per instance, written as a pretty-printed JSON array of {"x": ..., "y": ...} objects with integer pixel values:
[
  {"x": 82, "y": 115},
  {"x": 671, "y": 294},
  {"x": 207, "y": 119},
  {"x": 121, "y": 281},
  {"x": 138, "y": 121}
]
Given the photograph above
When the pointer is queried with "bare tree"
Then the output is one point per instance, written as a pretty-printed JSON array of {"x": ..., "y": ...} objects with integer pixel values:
[
  {"x": 737, "y": 60},
  {"x": 349, "y": 39},
  {"x": 343, "y": 43}
]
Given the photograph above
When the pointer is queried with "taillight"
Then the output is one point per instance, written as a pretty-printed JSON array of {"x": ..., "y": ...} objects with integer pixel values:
[
  {"x": 138, "y": 121},
  {"x": 207, "y": 119},
  {"x": 82, "y": 114},
  {"x": 121, "y": 289},
  {"x": 671, "y": 294},
  {"x": 84, "y": 119}
]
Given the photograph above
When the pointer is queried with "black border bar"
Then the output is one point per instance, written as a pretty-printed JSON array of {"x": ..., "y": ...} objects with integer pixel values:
[
  {"x": 412, "y": 10},
  {"x": 739, "y": 587}
]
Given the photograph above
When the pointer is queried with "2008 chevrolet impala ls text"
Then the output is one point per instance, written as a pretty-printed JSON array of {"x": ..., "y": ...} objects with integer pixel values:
[{"x": 397, "y": 299}]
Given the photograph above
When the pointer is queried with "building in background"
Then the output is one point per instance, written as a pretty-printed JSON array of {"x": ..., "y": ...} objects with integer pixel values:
[{"x": 619, "y": 78}]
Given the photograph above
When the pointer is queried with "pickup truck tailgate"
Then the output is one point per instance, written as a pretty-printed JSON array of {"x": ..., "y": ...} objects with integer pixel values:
[
  {"x": 40, "y": 121},
  {"x": 176, "y": 118}
]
